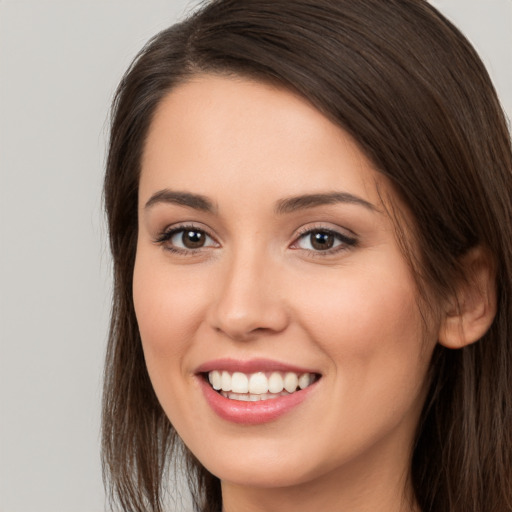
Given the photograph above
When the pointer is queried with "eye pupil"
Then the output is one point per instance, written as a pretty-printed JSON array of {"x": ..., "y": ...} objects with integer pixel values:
[
  {"x": 193, "y": 239},
  {"x": 322, "y": 240}
]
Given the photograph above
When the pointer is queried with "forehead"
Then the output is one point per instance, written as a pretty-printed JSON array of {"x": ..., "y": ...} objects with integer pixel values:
[{"x": 248, "y": 136}]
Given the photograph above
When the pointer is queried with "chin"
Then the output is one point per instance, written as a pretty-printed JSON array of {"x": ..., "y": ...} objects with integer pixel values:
[
  {"x": 266, "y": 464},
  {"x": 269, "y": 476}
]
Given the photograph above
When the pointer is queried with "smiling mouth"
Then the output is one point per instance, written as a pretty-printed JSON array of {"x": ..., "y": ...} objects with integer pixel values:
[{"x": 254, "y": 387}]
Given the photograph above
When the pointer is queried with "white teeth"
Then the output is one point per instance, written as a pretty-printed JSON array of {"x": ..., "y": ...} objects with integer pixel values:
[
  {"x": 275, "y": 383},
  {"x": 226, "y": 381},
  {"x": 239, "y": 396},
  {"x": 304, "y": 380},
  {"x": 239, "y": 383},
  {"x": 252, "y": 398},
  {"x": 215, "y": 379},
  {"x": 258, "y": 386},
  {"x": 258, "y": 383},
  {"x": 290, "y": 382}
]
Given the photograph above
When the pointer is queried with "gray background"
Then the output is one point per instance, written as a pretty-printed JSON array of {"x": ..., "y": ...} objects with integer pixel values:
[{"x": 60, "y": 61}]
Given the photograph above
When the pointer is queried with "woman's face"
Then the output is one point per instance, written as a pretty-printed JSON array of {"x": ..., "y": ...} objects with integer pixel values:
[{"x": 265, "y": 259}]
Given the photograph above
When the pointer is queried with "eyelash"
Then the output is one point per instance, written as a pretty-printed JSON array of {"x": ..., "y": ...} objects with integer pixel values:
[
  {"x": 165, "y": 237},
  {"x": 345, "y": 242}
]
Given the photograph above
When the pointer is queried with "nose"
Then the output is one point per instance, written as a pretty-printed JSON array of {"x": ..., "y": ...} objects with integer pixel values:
[{"x": 248, "y": 301}]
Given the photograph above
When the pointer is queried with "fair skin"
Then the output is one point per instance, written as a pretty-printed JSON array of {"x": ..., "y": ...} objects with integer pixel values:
[{"x": 317, "y": 283}]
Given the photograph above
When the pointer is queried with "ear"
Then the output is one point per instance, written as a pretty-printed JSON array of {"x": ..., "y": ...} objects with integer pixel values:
[{"x": 470, "y": 313}]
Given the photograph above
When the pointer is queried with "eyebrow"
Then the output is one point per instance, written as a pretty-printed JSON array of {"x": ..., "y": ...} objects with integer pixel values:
[
  {"x": 292, "y": 204},
  {"x": 195, "y": 201},
  {"x": 283, "y": 206}
]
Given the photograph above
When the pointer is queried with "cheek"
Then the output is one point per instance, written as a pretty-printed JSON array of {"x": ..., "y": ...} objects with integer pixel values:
[
  {"x": 363, "y": 310},
  {"x": 168, "y": 307},
  {"x": 371, "y": 327}
]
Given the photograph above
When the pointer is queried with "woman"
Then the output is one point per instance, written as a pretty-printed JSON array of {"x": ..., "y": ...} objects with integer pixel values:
[{"x": 309, "y": 213}]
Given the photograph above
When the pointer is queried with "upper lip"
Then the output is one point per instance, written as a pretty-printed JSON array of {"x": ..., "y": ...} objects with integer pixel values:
[{"x": 251, "y": 366}]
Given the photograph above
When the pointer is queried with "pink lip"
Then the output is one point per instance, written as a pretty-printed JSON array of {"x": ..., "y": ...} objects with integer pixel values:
[
  {"x": 251, "y": 366},
  {"x": 251, "y": 413}
]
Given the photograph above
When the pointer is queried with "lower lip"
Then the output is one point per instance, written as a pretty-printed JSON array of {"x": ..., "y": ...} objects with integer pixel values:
[{"x": 252, "y": 413}]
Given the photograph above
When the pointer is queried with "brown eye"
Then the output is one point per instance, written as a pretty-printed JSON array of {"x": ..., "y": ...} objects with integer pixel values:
[
  {"x": 185, "y": 239},
  {"x": 193, "y": 239},
  {"x": 322, "y": 240}
]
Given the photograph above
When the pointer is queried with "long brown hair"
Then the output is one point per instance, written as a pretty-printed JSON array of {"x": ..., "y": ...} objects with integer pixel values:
[{"x": 410, "y": 89}]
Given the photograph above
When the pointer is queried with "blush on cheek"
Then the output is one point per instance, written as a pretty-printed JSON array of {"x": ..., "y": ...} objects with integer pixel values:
[
  {"x": 167, "y": 311},
  {"x": 162, "y": 333},
  {"x": 357, "y": 318}
]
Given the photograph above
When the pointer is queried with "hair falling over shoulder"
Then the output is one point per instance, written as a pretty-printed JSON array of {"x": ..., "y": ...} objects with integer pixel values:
[{"x": 410, "y": 89}]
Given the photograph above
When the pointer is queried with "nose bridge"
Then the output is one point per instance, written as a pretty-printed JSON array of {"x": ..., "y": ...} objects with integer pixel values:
[{"x": 248, "y": 298}]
